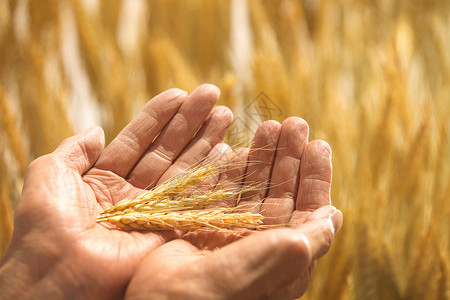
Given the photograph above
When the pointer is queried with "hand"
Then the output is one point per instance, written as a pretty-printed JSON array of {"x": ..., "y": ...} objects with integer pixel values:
[
  {"x": 57, "y": 249},
  {"x": 275, "y": 263}
]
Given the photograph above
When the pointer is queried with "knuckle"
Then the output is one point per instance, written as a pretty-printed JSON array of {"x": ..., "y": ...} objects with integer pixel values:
[
  {"x": 38, "y": 163},
  {"x": 297, "y": 248},
  {"x": 327, "y": 238}
]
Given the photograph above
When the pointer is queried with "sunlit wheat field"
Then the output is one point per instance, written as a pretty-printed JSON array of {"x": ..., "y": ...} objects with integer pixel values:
[{"x": 370, "y": 77}]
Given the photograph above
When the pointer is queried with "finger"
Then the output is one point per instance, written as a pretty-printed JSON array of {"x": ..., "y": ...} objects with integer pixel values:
[
  {"x": 211, "y": 133},
  {"x": 231, "y": 169},
  {"x": 80, "y": 152},
  {"x": 259, "y": 169},
  {"x": 52, "y": 181},
  {"x": 212, "y": 240},
  {"x": 231, "y": 179},
  {"x": 315, "y": 177},
  {"x": 256, "y": 267},
  {"x": 214, "y": 157},
  {"x": 275, "y": 265},
  {"x": 162, "y": 275},
  {"x": 174, "y": 137},
  {"x": 320, "y": 230},
  {"x": 301, "y": 283},
  {"x": 269, "y": 262},
  {"x": 264, "y": 265},
  {"x": 280, "y": 202},
  {"x": 327, "y": 211},
  {"x": 131, "y": 143}
]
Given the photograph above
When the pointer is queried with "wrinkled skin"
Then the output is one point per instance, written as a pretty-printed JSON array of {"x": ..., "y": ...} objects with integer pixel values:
[{"x": 58, "y": 250}]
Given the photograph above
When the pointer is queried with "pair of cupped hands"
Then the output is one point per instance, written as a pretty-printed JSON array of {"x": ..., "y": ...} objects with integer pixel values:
[{"x": 59, "y": 251}]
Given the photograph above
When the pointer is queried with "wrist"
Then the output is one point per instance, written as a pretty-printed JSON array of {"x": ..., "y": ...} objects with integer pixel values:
[
  {"x": 15, "y": 278},
  {"x": 21, "y": 279},
  {"x": 63, "y": 270},
  {"x": 37, "y": 272}
]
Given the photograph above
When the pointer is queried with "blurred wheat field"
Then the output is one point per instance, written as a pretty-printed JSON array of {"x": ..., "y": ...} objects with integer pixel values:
[{"x": 370, "y": 77}]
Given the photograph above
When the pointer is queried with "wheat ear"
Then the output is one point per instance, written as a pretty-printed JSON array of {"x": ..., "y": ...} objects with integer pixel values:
[{"x": 185, "y": 220}]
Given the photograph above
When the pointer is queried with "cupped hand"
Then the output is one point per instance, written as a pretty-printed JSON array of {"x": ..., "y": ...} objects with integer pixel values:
[
  {"x": 58, "y": 251},
  {"x": 274, "y": 263}
]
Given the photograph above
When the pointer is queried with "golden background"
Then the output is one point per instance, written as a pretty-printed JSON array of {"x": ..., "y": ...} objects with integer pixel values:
[{"x": 370, "y": 77}]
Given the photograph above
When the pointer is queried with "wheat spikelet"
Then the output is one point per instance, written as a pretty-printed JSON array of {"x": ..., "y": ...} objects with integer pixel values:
[
  {"x": 163, "y": 194},
  {"x": 157, "y": 203}
]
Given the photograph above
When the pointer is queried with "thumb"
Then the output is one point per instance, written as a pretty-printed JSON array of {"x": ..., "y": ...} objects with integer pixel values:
[
  {"x": 81, "y": 151},
  {"x": 78, "y": 153},
  {"x": 50, "y": 185},
  {"x": 271, "y": 264}
]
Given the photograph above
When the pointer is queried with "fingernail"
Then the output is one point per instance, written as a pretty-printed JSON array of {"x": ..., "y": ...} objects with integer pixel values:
[
  {"x": 179, "y": 92},
  {"x": 337, "y": 219},
  {"x": 211, "y": 87},
  {"x": 324, "y": 212},
  {"x": 94, "y": 131}
]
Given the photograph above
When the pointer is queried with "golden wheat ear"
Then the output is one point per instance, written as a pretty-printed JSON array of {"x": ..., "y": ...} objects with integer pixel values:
[
  {"x": 184, "y": 220},
  {"x": 178, "y": 202}
]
